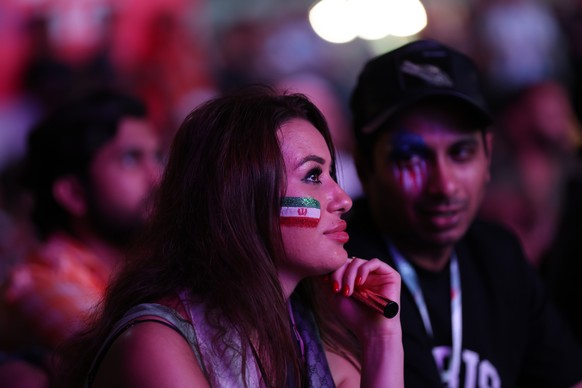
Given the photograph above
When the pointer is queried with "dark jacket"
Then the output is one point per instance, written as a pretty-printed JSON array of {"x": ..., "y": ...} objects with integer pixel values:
[{"x": 511, "y": 332}]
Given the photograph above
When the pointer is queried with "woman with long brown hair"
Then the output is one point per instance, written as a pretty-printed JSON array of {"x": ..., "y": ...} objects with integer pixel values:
[{"x": 242, "y": 279}]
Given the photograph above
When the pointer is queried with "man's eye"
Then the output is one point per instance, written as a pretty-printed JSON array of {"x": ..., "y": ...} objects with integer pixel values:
[
  {"x": 463, "y": 153},
  {"x": 130, "y": 158},
  {"x": 405, "y": 159}
]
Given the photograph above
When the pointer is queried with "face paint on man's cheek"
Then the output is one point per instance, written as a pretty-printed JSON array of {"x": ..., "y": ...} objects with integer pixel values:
[
  {"x": 411, "y": 178},
  {"x": 301, "y": 212},
  {"x": 408, "y": 161}
]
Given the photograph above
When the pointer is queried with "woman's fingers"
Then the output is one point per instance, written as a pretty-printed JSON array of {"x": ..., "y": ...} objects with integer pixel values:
[
  {"x": 371, "y": 274},
  {"x": 349, "y": 276},
  {"x": 373, "y": 279},
  {"x": 357, "y": 272}
]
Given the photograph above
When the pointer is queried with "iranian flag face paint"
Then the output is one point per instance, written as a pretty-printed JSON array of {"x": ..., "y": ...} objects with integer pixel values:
[{"x": 302, "y": 212}]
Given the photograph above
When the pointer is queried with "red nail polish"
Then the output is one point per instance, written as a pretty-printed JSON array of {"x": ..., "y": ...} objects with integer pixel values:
[
  {"x": 346, "y": 290},
  {"x": 359, "y": 280},
  {"x": 336, "y": 287}
]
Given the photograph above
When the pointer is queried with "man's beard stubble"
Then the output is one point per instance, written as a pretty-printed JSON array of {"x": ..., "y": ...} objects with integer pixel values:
[{"x": 113, "y": 224}]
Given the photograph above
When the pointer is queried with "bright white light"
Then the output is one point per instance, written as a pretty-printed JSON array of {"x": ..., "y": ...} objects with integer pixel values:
[
  {"x": 406, "y": 18},
  {"x": 340, "y": 21},
  {"x": 371, "y": 18},
  {"x": 332, "y": 20}
]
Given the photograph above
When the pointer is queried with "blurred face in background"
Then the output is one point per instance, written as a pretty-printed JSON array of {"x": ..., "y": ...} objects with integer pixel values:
[{"x": 123, "y": 176}]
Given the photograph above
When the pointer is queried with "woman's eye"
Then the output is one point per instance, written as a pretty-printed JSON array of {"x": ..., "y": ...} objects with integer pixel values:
[{"x": 313, "y": 176}]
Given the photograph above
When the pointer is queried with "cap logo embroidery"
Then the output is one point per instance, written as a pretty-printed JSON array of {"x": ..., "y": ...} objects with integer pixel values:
[{"x": 429, "y": 73}]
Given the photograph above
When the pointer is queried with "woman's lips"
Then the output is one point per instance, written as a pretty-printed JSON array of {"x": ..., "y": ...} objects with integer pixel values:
[{"x": 338, "y": 233}]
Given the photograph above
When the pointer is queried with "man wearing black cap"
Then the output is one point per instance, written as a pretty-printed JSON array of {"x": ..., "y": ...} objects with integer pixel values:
[{"x": 473, "y": 312}]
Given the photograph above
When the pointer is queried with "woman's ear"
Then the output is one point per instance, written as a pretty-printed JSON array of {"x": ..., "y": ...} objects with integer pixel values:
[{"x": 70, "y": 194}]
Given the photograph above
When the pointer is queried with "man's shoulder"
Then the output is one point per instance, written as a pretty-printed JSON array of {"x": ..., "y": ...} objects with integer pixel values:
[
  {"x": 63, "y": 252},
  {"x": 42, "y": 261},
  {"x": 491, "y": 236},
  {"x": 57, "y": 261},
  {"x": 493, "y": 246},
  {"x": 488, "y": 232}
]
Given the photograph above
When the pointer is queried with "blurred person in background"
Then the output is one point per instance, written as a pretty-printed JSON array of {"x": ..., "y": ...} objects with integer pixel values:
[
  {"x": 561, "y": 263},
  {"x": 91, "y": 167},
  {"x": 570, "y": 17},
  {"x": 563, "y": 267},
  {"x": 517, "y": 43},
  {"x": 536, "y": 143},
  {"x": 17, "y": 232},
  {"x": 17, "y": 110},
  {"x": 536, "y": 188}
]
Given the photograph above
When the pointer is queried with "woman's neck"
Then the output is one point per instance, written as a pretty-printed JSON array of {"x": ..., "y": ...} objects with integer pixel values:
[{"x": 288, "y": 283}]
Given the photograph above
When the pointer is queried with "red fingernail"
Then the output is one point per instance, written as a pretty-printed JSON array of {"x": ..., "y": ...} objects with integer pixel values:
[
  {"x": 359, "y": 280},
  {"x": 346, "y": 290},
  {"x": 336, "y": 287}
]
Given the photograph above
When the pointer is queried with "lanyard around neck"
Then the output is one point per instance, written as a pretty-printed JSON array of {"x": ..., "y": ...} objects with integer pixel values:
[{"x": 410, "y": 278}]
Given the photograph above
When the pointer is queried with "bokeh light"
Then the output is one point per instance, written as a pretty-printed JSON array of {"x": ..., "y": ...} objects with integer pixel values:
[
  {"x": 341, "y": 21},
  {"x": 408, "y": 17},
  {"x": 371, "y": 18},
  {"x": 332, "y": 20}
]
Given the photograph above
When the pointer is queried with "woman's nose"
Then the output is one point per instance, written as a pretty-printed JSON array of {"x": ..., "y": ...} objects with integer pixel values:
[{"x": 341, "y": 200}]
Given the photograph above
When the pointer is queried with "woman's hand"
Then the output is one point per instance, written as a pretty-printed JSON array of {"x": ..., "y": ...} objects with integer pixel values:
[
  {"x": 380, "y": 337},
  {"x": 374, "y": 275}
]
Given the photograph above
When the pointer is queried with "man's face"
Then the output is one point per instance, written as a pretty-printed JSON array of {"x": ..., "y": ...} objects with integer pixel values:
[
  {"x": 428, "y": 178},
  {"x": 123, "y": 175}
]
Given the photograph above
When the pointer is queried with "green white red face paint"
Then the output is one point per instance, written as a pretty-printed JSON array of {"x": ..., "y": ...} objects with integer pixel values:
[
  {"x": 408, "y": 157},
  {"x": 302, "y": 212}
]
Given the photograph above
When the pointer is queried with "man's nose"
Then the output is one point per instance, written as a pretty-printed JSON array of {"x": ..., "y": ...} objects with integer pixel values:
[{"x": 441, "y": 179}]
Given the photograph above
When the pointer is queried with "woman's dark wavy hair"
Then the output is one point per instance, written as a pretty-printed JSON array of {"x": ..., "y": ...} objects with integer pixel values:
[{"x": 215, "y": 232}]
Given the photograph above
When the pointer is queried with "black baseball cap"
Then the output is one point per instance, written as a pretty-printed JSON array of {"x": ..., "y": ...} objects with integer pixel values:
[{"x": 410, "y": 74}]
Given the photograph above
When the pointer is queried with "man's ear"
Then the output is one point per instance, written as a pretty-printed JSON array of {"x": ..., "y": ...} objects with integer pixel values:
[
  {"x": 70, "y": 194},
  {"x": 488, "y": 139}
]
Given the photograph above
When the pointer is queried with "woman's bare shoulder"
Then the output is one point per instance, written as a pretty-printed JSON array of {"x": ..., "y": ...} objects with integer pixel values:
[{"x": 150, "y": 354}]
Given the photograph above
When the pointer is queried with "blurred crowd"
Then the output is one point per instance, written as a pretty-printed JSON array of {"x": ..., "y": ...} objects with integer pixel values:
[{"x": 174, "y": 54}]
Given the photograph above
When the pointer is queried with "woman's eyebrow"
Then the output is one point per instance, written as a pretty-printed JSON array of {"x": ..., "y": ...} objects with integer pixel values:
[{"x": 310, "y": 158}]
